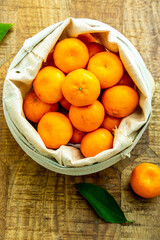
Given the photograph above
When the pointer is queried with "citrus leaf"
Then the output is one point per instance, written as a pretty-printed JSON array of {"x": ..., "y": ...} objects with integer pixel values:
[
  {"x": 102, "y": 202},
  {"x": 4, "y": 27}
]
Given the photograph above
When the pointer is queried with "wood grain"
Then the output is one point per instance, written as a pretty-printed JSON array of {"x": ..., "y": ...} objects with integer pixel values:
[
  {"x": 3, "y": 198},
  {"x": 37, "y": 204}
]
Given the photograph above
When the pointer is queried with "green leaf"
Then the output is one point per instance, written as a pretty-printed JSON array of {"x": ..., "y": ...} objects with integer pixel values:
[
  {"x": 4, "y": 27},
  {"x": 102, "y": 202}
]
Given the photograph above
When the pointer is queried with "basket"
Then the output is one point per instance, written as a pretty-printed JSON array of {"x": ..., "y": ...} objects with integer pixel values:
[{"x": 22, "y": 71}]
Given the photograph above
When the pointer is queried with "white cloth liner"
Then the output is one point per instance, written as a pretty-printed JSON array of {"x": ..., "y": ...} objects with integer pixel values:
[{"x": 26, "y": 65}]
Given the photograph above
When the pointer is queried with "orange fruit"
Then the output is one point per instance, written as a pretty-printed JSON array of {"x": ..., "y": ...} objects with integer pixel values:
[
  {"x": 49, "y": 61},
  {"x": 126, "y": 80},
  {"x": 77, "y": 136},
  {"x": 145, "y": 180},
  {"x": 81, "y": 87},
  {"x": 107, "y": 67},
  {"x": 55, "y": 129},
  {"x": 64, "y": 103},
  {"x": 86, "y": 38},
  {"x": 95, "y": 142},
  {"x": 110, "y": 123},
  {"x": 120, "y": 100},
  {"x": 48, "y": 84},
  {"x": 70, "y": 54},
  {"x": 34, "y": 108},
  {"x": 94, "y": 47},
  {"x": 54, "y": 107},
  {"x": 87, "y": 118}
]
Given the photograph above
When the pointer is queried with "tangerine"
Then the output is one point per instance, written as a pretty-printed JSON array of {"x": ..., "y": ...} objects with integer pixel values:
[
  {"x": 86, "y": 38},
  {"x": 49, "y": 61},
  {"x": 94, "y": 47},
  {"x": 145, "y": 180},
  {"x": 48, "y": 84},
  {"x": 70, "y": 54},
  {"x": 110, "y": 123},
  {"x": 120, "y": 100},
  {"x": 77, "y": 136},
  {"x": 107, "y": 67},
  {"x": 54, "y": 107},
  {"x": 34, "y": 108},
  {"x": 64, "y": 103},
  {"x": 55, "y": 129},
  {"x": 81, "y": 87},
  {"x": 95, "y": 142},
  {"x": 87, "y": 118},
  {"x": 126, "y": 80}
]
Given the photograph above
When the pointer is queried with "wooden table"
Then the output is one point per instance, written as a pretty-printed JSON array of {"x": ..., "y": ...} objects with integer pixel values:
[{"x": 36, "y": 203}]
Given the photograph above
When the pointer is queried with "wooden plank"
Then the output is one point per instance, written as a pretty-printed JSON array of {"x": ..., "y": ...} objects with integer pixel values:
[
  {"x": 46, "y": 202},
  {"x": 3, "y": 198}
]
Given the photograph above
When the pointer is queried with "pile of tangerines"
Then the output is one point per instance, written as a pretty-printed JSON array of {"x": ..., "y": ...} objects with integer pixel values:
[{"x": 80, "y": 95}]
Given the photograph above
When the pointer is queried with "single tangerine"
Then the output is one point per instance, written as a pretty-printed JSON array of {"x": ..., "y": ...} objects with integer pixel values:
[
  {"x": 65, "y": 104},
  {"x": 87, "y": 118},
  {"x": 70, "y": 54},
  {"x": 81, "y": 87},
  {"x": 54, "y": 107},
  {"x": 110, "y": 123},
  {"x": 126, "y": 80},
  {"x": 86, "y": 38},
  {"x": 107, "y": 67},
  {"x": 145, "y": 180},
  {"x": 49, "y": 61},
  {"x": 94, "y": 47},
  {"x": 120, "y": 100},
  {"x": 77, "y": 136},
  {"x": 48, "y": 84},
  {"x": 95, "y": 142},
  {"x": 34, "y": 108},
  {"x": 55, "y": 129}
]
